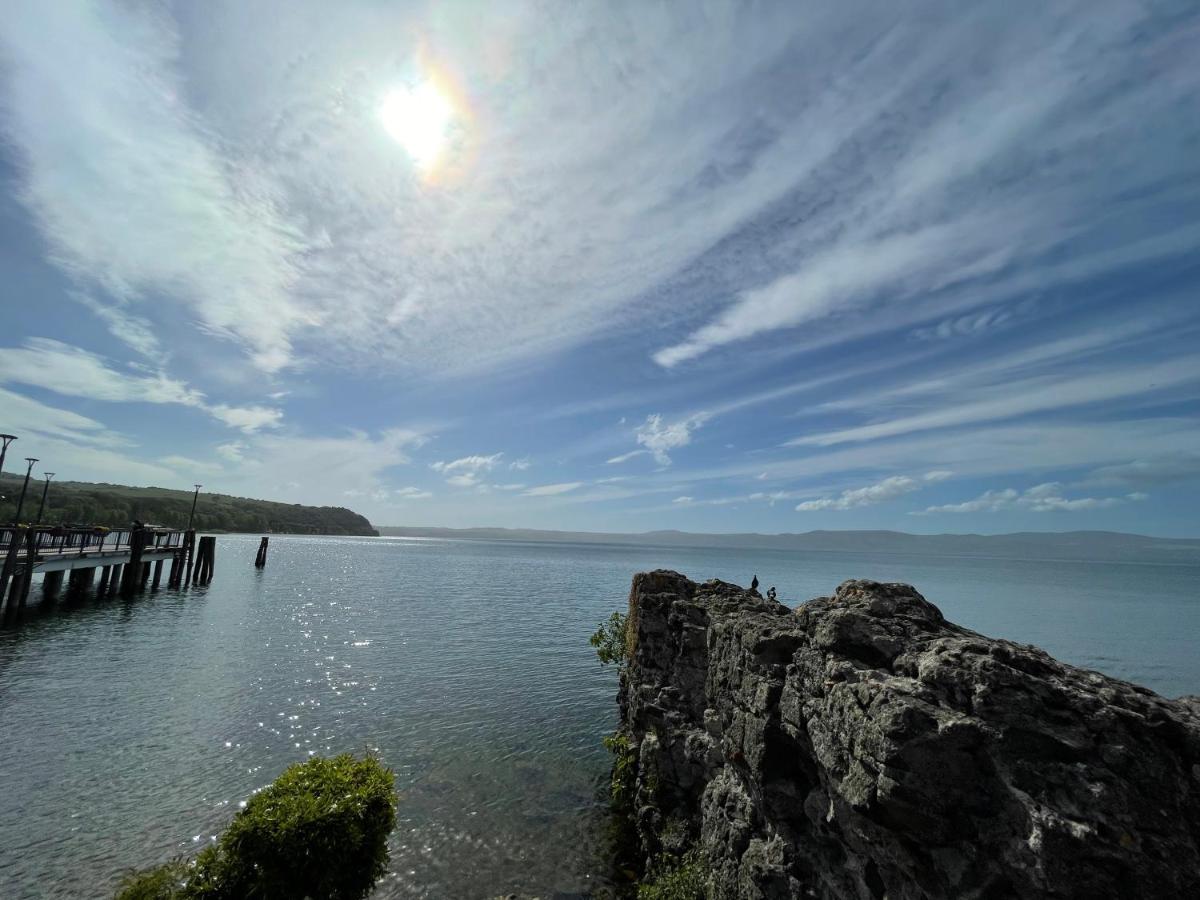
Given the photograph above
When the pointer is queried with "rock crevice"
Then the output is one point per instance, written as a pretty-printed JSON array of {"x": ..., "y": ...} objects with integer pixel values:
[{"x": 861, "y": 746}]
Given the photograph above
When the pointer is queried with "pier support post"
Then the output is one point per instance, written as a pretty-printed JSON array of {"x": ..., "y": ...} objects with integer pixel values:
[
  {"x": 260, "y": 560},
  {"x": 102, "y": 587},
  {"x": 145, "y": 575},
  {"x": 52, "y": 584},
  {"x": 132, "y": 578},
  {"x": 26, "y": 580},
  {"x": 205, "y": 557},
  {"x": 10, "y": 566},
  {"x": 189, "y": 554},
  {"x": 114, "y": 583},
  {"x": 157, "y": 575}
]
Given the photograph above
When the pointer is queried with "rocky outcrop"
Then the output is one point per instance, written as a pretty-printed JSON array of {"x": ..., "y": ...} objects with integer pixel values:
[{"x": 861, "y": 746}]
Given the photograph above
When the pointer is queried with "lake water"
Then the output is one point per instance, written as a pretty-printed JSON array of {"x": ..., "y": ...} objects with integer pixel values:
[{"x": 130, "y": 731}]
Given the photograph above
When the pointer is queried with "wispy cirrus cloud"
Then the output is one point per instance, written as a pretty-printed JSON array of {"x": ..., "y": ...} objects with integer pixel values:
[
  {"x": 73, "y": 372},
  {"x": 553, "y": 490}
]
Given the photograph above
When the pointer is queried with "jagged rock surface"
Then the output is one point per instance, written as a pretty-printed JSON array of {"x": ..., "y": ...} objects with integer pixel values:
[{"x": 861, "y": 746}]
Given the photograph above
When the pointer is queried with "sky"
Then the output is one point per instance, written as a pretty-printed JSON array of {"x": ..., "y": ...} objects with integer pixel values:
[{"x": 616, "y": 267}]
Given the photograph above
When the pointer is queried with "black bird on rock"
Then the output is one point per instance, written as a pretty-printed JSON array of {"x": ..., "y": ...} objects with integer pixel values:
[{"x": 754, "y": 583}]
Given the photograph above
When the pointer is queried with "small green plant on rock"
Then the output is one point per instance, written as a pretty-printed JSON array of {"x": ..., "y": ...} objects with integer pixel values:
[
  {"x": 624, "y": 773},
  {"x": 610, "y": 640},
  {"x": 676, "y": 878},
  {"x": 319, "y": 831}
]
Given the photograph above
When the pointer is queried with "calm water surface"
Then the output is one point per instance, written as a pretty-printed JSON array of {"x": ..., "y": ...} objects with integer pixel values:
[{"x": 131, "y": 731}]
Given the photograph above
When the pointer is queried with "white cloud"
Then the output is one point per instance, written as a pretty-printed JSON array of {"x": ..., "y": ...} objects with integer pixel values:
[
  {"x": 520, "y": 465},
  {"x": 625, "y": 457},
  {"x": 73, "y": 372},
  {"x": 413, "y": 493},
  {"x": 509, "y": 487},
  {"x": 132, "y": 330},
  {"x": 194, "y": 226},
  {"x": 1045, "y": 497},
  {"x": 234, "y": 451},
  {"x": 467, "y": 471},
  {"x": 888, "y": 489},
  {"x": 285, "y": 218},
  {"x": 1013, "y": 398},
  {"x": 551, "y": 490},
  {"x": 683, "y": 500},
  {"x": 658, "y": 436},
  {"x": 248, "y": 418},
  {"x": 187, "y": 466}
]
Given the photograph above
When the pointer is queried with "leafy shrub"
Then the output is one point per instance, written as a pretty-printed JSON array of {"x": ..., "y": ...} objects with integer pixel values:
[
  {"x": 624, "y": 773},
  {"x": 320, "y": 831},
  {"x": 610, "y": 640}
]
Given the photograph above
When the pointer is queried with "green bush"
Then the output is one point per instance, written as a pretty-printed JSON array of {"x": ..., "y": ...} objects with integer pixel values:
[
  {"x": 320, "y": 831},
  {"x": 609, "y": 640}
]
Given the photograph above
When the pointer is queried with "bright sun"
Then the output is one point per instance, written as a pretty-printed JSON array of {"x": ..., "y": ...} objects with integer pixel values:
[{"x": 418, "y": 117}]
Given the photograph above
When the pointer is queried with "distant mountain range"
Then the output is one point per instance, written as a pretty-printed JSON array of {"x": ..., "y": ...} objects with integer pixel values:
[
  {"x": 116, "y": 505},
  {"x": 1073, "y": 545}
]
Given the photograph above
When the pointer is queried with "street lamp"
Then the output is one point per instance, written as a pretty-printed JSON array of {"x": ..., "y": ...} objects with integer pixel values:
[
  {"x": 24, "y": 488},
  {"x": 45, "y": 491},
  {"x": 8, "y": 439},
  {"x": 192, "y": 514}
]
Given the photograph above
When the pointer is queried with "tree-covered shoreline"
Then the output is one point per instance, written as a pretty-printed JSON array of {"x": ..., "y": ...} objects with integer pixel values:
[{"x": 114, "y": 505}]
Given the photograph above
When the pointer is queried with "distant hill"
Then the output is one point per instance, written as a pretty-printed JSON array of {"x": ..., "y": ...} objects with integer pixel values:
[
  {"x": 1074, "y": 545},
  {"x": 116, "y": 505}
]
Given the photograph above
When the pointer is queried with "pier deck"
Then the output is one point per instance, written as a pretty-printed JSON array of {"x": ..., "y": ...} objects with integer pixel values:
[{"x": 125, "y": 559}]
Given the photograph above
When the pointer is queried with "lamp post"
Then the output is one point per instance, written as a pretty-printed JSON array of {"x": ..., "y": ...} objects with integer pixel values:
[
  {"x": 192, "y": 514},
  {"x": 7, "y": 439},
  {"x": 45, "y": 491},
  {"x": 24, "y": 488}
]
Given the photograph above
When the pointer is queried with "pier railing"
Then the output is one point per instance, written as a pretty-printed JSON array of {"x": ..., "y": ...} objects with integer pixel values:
[{"x": 64, "y": 541}]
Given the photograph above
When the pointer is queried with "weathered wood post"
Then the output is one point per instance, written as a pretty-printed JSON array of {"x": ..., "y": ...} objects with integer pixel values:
[
  {"x": 145, "y": 574},
  {"x": 260, "y": 560},
  {"x": 205, "y": 558},
  {"x": 133, "y": 569},
  {"x": 102, "y": 587},
  {"x": 26, "y": 578},
  {"x": 16, "y": 534},
  {"x": 157, "y": 575},
  {"x": 189, "y": 553}
]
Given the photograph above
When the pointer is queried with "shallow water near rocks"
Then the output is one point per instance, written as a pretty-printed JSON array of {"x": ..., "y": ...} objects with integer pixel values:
[{"x": 132, "y": 730}]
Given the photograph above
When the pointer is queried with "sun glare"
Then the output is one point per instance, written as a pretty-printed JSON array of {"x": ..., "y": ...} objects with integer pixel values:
[{"x": 418, "y": 118}]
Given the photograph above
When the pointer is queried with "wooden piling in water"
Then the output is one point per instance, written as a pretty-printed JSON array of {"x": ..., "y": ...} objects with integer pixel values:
[
  {"x": 26, "y": 579},
  {"x": 132, "y": 577},
  {"x": 189, "y": 554},
  {"x": 205, "y": 557},
  {"x": 102, "y": 587},
  {"x": 260, "y": 560},
  {"x": 9, "y": 569},
  {"x": 158, "y": 566},
  {"x": 52, "y": 585}
]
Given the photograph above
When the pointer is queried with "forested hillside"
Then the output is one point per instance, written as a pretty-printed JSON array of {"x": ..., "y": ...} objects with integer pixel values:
[{"x": 116, "y": 505}]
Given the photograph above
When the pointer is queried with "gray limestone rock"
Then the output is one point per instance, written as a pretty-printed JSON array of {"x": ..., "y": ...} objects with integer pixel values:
[{"x": 861, "y": 746}]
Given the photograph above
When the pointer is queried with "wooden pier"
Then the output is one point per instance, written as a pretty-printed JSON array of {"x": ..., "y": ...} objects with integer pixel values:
[{"x": 126, "y": 560}]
